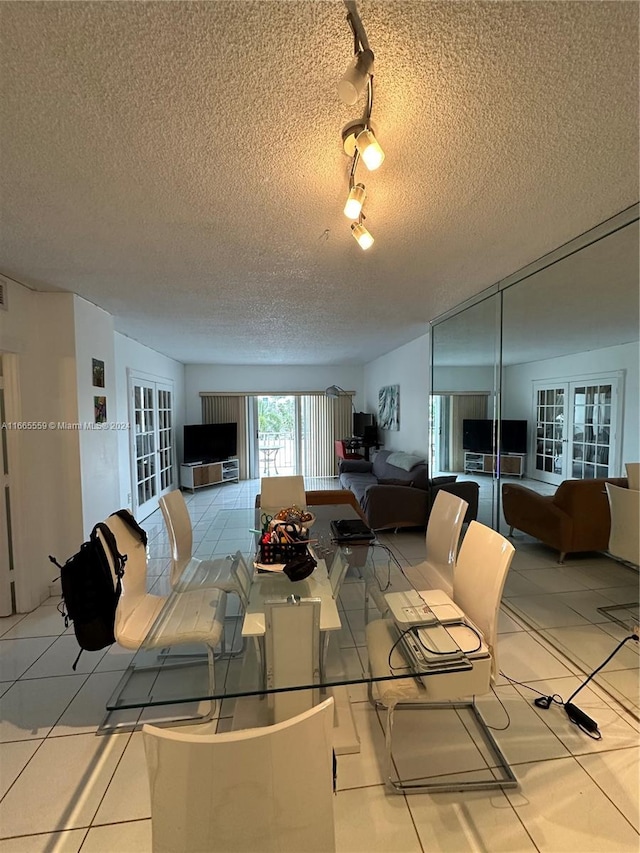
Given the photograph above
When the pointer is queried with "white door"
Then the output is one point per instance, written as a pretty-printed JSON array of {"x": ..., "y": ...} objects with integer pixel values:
[
  {"x": 152, "y": 443},
  {"x": 576, "y": 429}
]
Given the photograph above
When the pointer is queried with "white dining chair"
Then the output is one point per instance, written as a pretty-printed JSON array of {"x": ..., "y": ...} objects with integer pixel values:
[
  {"x": 442, "y": 538},
  {"x": 624, "y": 538},
  {"x": 186, "y": 570},
  {"x": 195, "y": 617},
  {"x": 280, "y": 492},
  {"x": 633, "y": 475},
  {"x": 292, "y": 654},
  {"x": 268, "y": 789},
  {"x": 481, "y": 570}
]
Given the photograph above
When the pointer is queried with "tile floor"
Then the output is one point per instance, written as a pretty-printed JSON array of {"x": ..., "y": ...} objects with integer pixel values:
[{"x": 63, "y": 788}]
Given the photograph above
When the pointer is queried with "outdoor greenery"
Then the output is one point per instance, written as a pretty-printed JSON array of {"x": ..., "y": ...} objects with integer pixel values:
[{"x": 276, "y": 415}]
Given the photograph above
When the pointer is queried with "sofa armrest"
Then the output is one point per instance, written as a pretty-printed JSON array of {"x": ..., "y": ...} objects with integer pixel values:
[
  {"x": 354, "y": 466},
  {"x": 442, "y": 481},
  {"x": 536, "y": 515},
  {"x": 395, "y": 506}
]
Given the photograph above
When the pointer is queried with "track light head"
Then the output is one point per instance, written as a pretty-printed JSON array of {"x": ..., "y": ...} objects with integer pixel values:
[
  {"x": 354, "y": 80},
  {"x": 361, "y": 136},
  {"x": 355, "y": 200},
  {"x": 364, "y": 238}
]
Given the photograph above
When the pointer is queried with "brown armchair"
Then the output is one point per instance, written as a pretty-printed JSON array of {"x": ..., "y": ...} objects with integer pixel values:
[{"x": 576, "y": 518}]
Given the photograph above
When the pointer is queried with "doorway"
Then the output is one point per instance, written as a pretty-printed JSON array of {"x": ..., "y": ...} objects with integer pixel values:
[
  {"x": 152, "y": 448},
  {"x": 279, "y": 446},
  {"x": 7, "y": 601},
  {"x": 576, "y": 429}
]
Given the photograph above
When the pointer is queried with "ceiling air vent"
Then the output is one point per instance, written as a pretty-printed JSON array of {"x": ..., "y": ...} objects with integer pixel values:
[{"x": 3, "y": 293}]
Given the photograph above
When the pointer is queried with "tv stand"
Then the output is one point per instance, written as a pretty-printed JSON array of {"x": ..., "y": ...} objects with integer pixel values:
[
  {"x": 194, "y": 476},
  {"x": 485, "y": 463}
]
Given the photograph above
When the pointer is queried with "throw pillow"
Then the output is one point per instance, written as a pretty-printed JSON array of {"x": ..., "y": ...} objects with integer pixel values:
[{"x": 406, "y": 461}]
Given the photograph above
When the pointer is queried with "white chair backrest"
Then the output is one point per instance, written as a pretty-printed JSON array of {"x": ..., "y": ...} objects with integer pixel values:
[
  {"x": 134, "y": 580},
  {"x": 279, "y": 492},
  {"x": 443, "y": 528},
  {"x": 478, "y": 581},
  {"x": 292, "y": 654},
  {"x": 633, "y": 474},
  {"x": 268, "y": 789},
  {"x": 240, "y": 571},
  {"x": 178, "y": 524},
  {"x": 624, "y": 538}
]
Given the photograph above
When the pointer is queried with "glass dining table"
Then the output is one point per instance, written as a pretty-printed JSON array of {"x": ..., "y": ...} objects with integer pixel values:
[{"x": 351, "y": 580}]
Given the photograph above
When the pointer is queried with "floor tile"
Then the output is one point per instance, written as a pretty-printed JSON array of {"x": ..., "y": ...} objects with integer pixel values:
[
  {"x": 562, "y": 809},
  {"x": 127, "y": 797},
  {"x": 131, "y": 837},
  {"x": 546, "y": 611},
  {"x": 59, "y": 658},
  {"x": 14, "y": 757},
  {"x": 616, "y": 773},
  {"x": 365, "y": 767},
  {"x": 475, "y": 821},
  {"x": 522, "y": 658},
  {"x": 370, "y": 821},
  {"x": 24, "y": 715},
  {"x": 62, "y": 786},
  {"x": 87, "y": 709},
  {"x": 50, "y": 842},
  {"x": 43, "y": 622},
  {"x": 16, "y": 656},
  {"x": 590, "y": 646}
]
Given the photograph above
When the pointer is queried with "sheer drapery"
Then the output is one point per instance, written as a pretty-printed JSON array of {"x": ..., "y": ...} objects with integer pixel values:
[
  {"x": 463, "y": 406},
  {"x": 225, "y": 409}
]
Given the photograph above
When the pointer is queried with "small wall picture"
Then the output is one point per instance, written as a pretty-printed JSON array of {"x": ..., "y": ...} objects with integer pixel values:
[
  {"x": 100, "y": 410},
  {"x": 389, "y": 407},
  {"x": 98, "y": 373}
]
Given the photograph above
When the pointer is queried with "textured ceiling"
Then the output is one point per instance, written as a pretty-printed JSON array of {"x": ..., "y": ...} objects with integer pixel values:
[{"x": 179, "y": 164}]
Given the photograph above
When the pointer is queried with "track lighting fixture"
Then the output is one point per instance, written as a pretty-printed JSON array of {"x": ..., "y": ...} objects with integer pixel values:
[
  {"x": 362, "y": 235},
  {"x": 355, "y": 78},
  {"x": 353, "y": 207},
  {"x": 358, "y": 137}
]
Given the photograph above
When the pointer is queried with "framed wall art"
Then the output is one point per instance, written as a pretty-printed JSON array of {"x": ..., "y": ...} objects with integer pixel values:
[
  {"x": 97, "y": 372},
  {"x": 100, "y": 410},
  {"x": 389, "y": 407}
]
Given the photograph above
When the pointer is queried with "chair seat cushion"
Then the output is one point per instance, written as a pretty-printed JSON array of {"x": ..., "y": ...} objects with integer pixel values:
[{"x": 195, "y": 617}]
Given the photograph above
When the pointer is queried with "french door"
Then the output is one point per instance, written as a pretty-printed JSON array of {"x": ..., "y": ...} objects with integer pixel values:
[
  {"x": 152, "y": 442},
  {"x": 576, "y": 429}
]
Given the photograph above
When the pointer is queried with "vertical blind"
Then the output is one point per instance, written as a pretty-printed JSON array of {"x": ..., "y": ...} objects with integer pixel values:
[
  {"x": 463, "y": 406},
  {"x": 226, "y": 409},
  {"x": 322, "y": 420}
]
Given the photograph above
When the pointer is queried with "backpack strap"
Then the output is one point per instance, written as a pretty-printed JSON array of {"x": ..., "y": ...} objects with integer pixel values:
[
  {"x": 118, "y": 559},
  {"x": 129, "y": 520}
]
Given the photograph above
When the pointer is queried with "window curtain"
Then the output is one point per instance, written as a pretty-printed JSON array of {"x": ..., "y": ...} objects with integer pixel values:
[
  {"x": 463, "y": 406},
  {"x": 226, "y": 409}
]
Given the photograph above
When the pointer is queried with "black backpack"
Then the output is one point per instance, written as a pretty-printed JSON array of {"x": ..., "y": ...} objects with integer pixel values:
[{"x": 89, "y": 594}]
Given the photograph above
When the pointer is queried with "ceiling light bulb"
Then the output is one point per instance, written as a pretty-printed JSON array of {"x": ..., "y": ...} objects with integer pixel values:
[
  {"x": 369, "y": 149},
  {"x": 361, "y": 234},
  {"x": 354, "y": 80},
  {"x": 353, "y": 207}
]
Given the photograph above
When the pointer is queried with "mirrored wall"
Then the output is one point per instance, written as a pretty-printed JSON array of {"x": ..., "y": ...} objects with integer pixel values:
[{"x": 534, "y": 382}]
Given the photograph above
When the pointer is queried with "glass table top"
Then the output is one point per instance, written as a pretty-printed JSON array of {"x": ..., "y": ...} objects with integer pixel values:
[{"x": 351, "y": 581}]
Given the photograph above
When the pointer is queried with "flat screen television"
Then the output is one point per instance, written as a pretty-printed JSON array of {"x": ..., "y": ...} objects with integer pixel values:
[
  {"x": 478, "y": 436},
  {"x": 360, "y": 421},
  {"x": 210, "y": 442}
]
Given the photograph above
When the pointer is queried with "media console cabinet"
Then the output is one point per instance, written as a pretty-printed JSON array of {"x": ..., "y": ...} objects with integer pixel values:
[
  {"x": 485, "y": 463},
  {"x": 209, "y": 474}
]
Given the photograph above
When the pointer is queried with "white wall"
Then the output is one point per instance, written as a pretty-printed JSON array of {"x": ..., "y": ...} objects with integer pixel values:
[
  {"x": 408, "y": 367},
  {"x": 518, "y": 386},
  {"x": 463, "y": 379},
  {"x": 134, "y": 357},
  {"x": 98, "y": 447},
  {"x": 44, "y": 465},
  {"x": 268, "y": 380}
]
